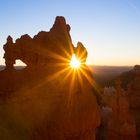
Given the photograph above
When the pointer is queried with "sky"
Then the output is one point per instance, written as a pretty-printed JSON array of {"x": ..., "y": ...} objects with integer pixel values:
[{"x": 109, "y": 29}]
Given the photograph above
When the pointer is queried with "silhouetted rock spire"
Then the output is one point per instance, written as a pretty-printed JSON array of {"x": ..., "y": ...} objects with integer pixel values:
[
  {"x": 43, "y": 48},
  {"x": 48, "y": 99},
  {"x": 9, "y": 53}
]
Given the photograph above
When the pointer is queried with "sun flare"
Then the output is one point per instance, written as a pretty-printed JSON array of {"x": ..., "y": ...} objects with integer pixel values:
[{"x": 74, "y": 63}]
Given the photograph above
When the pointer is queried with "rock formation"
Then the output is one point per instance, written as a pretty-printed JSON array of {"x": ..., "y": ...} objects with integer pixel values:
[
  {"x": 43, "y": 48},
  {"x": 120, "y": 123},
  {"x": 81, "y": 52},
  {"x": 134, "y": 100},
  {"x": 131, "y": 80},
  {"x": 48, "y": 99}
]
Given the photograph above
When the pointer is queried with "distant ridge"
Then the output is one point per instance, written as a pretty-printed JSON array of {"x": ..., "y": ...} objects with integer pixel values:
[
  {"x": 109, "y": 69},
  {"x": 95, "y": 68},
  {"x": 105, "y": 75},
  {"x": 2, "y": 67}
]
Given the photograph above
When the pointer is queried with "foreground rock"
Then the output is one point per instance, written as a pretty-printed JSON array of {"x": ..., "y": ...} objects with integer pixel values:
[{"x": 48, "y": 100}]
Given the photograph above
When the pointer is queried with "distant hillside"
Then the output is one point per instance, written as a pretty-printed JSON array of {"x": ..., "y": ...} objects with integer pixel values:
[
  {"x": 129, "y": 76},
  {"x": 105, "y": 75},
  {"x": 17, "y": 67},
  {"x": 2, "y": 67},
  {"x": 111, "y": 70}
]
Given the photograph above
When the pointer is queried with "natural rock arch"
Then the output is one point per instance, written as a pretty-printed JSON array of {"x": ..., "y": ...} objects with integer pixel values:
[{"x": 51, "y": 101}]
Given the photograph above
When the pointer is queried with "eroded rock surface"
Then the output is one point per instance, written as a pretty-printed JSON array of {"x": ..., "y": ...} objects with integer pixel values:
[
  {"x": 134, "y": 100},
  {"x": 119, "y": 123},
  {"x": 47, "y": 100}
]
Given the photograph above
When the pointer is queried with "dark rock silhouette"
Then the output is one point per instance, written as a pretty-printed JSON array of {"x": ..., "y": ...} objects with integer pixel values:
[
  {"x": 128, "y": 76},
  {"x": 47, "y": 100},
  {"x": 134, "y": 95},
  {"x": 43, "y": 48},
  {"x": 137, "y": 68},
  {"x": 9, "y": 53}
]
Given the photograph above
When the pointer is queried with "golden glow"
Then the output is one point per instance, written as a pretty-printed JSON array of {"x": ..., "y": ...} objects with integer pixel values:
[
  {"x": 74, "y": 63},
  {"x": 74, "y": 72}
]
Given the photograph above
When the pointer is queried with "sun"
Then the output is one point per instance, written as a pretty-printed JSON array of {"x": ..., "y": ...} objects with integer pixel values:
[{"x": 75, "y": 63}]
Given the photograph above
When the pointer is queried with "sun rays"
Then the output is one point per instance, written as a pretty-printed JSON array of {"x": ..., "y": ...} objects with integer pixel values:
[
  {"x": 75, "y": 63},
  {"x": 70, "y": 71}
]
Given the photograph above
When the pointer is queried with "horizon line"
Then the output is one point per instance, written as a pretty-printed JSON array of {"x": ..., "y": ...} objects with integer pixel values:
[{"x": 90, "y": 65}]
